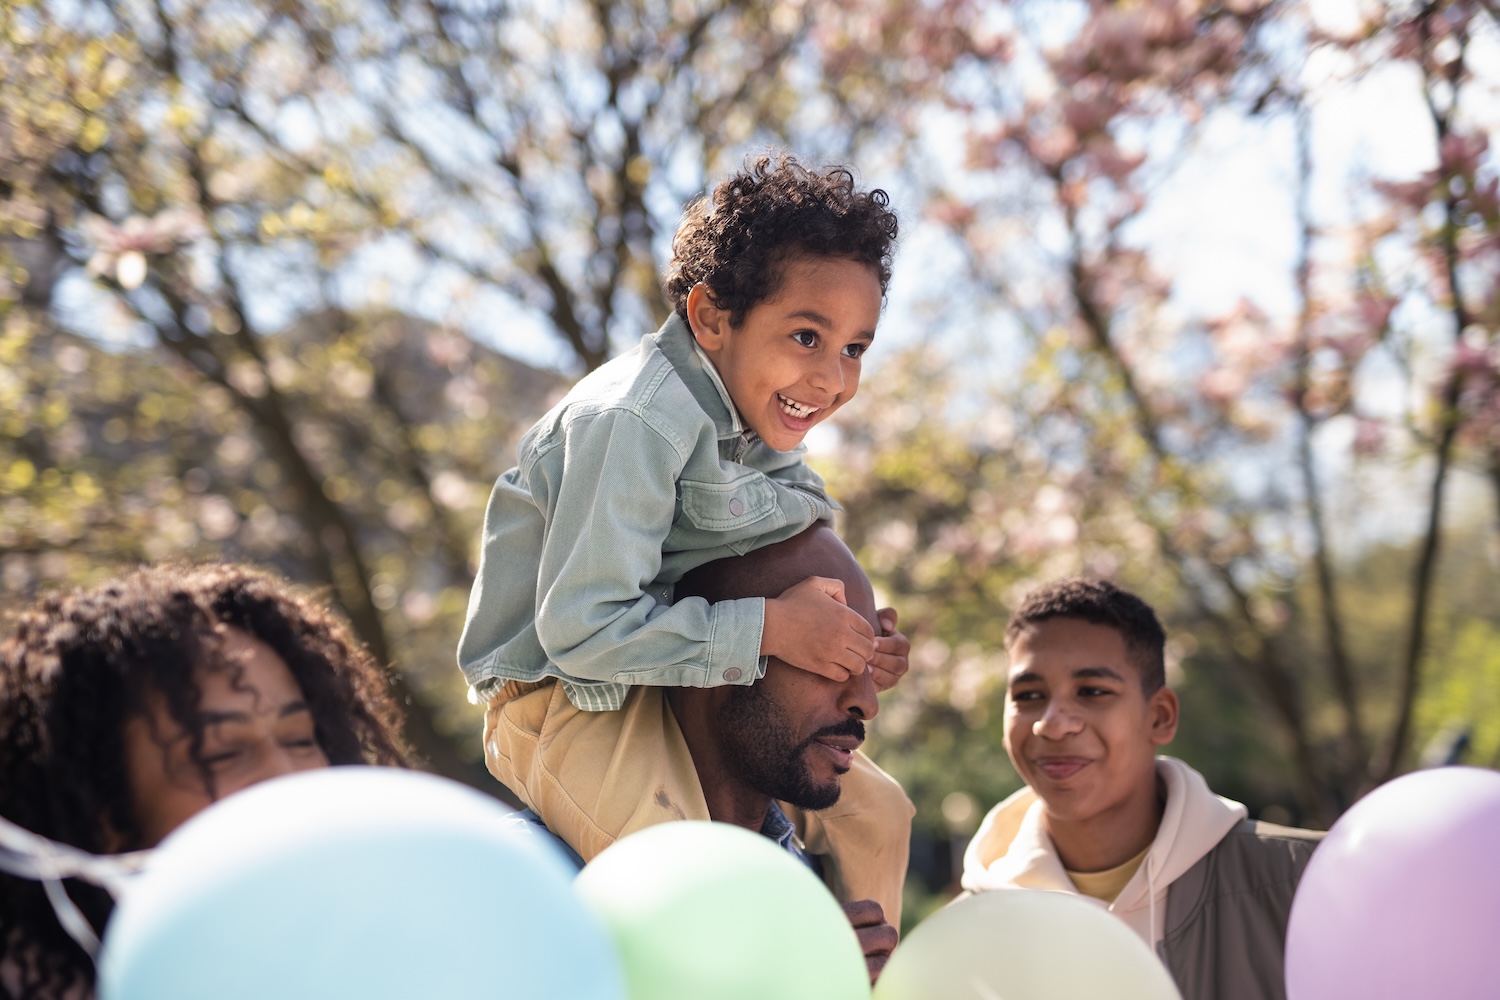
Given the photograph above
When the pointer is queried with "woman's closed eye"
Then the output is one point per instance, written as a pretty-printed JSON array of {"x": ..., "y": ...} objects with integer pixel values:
[{"x": 219, "y": 758}]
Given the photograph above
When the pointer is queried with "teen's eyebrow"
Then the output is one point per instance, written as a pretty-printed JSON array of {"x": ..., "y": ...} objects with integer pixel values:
[
  {"x": 220, "y": 718},
  {"x": 1029, "y": 677},
  {"x": 1109, "y": 672}
]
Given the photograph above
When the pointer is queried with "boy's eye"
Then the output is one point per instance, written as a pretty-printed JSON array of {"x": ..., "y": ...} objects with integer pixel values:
[
  {"x": 855, "y": 350},
  {"x": 1093, "y": 692},
  {"x": 806, "y": 338},
  {"x": 1026, "y": 696}
]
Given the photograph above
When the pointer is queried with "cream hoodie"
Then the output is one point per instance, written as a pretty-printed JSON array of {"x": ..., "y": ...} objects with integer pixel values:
[{"x": 1013, "y": 851}]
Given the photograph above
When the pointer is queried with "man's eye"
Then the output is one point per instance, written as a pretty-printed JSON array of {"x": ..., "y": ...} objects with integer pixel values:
[{"x": 806, "y": 338}]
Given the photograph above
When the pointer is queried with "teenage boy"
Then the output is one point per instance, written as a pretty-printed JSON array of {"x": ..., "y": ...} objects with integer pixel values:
[{"x": 1103, "y": 816}]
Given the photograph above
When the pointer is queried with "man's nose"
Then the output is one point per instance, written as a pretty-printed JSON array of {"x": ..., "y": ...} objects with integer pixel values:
[
  {"x": 858, "y": 696},
  {"x": 1057, "y": 721}
]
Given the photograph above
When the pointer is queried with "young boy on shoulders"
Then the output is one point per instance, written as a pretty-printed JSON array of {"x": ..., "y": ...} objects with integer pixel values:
[
  {"x": 683, "y": 451},
  {"x": 1104, "y": 816}
]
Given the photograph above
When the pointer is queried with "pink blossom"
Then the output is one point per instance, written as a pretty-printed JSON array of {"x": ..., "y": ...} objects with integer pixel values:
[
  {"x": 1369, "y": 436},
  {"x": 952, "y": 213},
  {"x": 1460, "y": 154},
  {"x": 1111, "y": 161},
  {"x": 1375, "y": 311},
  {"x": 1410, "y": 194},
  {"x": 1222, "y": 385},
  {"x": 1053, "y": 147},
  {"x": 1471, "y": 361},
  {"x": 1086, "y": 116}
]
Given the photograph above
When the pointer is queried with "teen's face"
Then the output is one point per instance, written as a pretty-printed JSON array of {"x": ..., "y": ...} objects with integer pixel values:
[
  {"x": 1078, "y": 727},
  {"x": 796, "y": 358},
  {"x": 257, "y": 726}
]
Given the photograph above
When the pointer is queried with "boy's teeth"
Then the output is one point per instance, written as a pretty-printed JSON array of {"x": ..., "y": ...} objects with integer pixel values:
[{"x": 796, "y": 409}]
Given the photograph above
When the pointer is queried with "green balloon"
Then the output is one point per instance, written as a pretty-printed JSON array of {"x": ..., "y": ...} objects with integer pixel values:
[
  {"x": 1020, "y": 944},
  {"x": 710, "y": 910}
]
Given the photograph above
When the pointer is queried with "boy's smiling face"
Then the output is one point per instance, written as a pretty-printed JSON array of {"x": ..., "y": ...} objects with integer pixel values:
[
  {"x": 1079, "y": 727},
  {"x": 796, "y": 357}
]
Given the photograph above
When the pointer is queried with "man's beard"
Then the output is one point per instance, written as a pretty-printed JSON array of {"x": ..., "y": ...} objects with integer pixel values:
[{"x": 761, "y": 749}]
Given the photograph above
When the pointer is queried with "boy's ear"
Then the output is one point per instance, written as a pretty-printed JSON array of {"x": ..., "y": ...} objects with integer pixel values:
[
  {"x": 709, "y": 323},
  {"x": 1164, "y": 709}
]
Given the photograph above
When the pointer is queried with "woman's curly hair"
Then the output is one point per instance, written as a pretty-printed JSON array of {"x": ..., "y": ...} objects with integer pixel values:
[
  {"x": 738, "y": 240},
  {"x": 79, "y": 664}
]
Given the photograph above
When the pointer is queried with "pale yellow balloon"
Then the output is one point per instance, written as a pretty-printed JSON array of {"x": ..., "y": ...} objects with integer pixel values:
[{"x": 1019, "y": 944}]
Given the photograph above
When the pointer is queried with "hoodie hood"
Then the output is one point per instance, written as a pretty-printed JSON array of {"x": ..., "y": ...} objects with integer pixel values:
[{"x": 1012, "y": 849}]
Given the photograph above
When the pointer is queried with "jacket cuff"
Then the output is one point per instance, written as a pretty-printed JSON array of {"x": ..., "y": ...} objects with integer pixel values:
[{"x": 734, "y": 642}]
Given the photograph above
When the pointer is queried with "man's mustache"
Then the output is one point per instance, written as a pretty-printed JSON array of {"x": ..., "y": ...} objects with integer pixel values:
[{"x": 849, "y": 727}]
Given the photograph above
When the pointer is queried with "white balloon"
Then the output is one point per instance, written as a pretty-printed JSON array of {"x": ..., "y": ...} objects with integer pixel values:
[{"x": 1021, "y": 944}]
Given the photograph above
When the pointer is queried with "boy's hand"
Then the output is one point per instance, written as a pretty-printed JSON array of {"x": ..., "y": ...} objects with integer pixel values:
[
  {"x": 889, "y": 664},
  {"x": 810, "y": 627},
  {"x": 877, "y": 938}
]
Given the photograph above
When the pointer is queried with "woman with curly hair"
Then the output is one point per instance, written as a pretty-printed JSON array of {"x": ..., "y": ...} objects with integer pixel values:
[{"x": 127, "y": 707}]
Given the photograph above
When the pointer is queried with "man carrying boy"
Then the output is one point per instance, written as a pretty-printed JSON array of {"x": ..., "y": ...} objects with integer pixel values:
[
  {"x": 765, "y": 757},
  {"x": 1105, "y": 817}
]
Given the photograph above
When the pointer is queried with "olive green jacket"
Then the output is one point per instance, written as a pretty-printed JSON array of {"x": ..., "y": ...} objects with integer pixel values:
[{"x": 1225, "y": 934}]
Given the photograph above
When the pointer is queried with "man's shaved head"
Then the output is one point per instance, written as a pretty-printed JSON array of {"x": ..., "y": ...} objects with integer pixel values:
[{"x": 768, "y": 571}]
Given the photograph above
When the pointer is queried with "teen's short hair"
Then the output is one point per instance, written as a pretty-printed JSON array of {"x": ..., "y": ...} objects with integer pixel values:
[
  {"x": 1100, "y": 602},
  {"x": 738, "y": 240}
]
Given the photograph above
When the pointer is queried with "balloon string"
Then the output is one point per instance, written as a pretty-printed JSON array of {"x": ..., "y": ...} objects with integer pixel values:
[{"x": 31, "y": 856}]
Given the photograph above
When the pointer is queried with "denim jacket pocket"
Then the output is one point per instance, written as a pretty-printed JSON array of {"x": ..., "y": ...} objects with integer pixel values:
[{"x": 739, "y": 510}]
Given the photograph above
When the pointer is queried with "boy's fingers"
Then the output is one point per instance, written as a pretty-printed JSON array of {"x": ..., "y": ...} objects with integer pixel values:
[
  {"x": 893, "y": 645},
  {"x": 887, "y": 618},
  {"x": 883, "y": 679},
  {"x": 896, "y": 666},
  {"x": 858, "y": 624},
  {"x": 833, "y": 588}
]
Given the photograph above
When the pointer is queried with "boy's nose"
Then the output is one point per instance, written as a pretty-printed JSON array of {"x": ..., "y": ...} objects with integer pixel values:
[{"x": 828, "y": 376}]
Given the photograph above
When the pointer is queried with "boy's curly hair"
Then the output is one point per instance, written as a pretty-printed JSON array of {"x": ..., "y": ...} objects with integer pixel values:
[
  {"x": 79, "y": 664},
  {"x": 1100, "y": 602},
  {"x": 738, "y": 240}
]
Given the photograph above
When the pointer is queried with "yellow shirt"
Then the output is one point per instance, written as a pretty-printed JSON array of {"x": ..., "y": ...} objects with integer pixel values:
[{"x": 1106, "y": 885}]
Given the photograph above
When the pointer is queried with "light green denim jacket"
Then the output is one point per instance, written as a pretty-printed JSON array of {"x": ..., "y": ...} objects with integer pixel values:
[{"x": 640, "y": 474}]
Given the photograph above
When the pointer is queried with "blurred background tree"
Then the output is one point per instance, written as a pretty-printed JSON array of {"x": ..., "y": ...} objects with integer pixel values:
[{"x": 283, "y": 282}]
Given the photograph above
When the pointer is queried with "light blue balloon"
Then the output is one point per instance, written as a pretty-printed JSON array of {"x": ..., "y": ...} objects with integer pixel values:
[{"x": 360, "y": 882}]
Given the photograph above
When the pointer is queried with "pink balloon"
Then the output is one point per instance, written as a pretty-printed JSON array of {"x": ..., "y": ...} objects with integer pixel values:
[{"x": 1402, "y": 899}]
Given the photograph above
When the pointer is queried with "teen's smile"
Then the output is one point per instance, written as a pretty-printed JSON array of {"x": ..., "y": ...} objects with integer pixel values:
[{"x": 1060, "y": 768}]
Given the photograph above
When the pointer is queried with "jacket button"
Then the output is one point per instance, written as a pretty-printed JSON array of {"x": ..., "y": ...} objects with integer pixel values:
[
  {"x": 732, "y": 674},
  {"x": 736, "y": 507}
]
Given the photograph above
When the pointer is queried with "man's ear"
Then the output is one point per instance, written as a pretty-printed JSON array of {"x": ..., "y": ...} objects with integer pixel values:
[
  {"x": 1164, "y": 709},
  {"x": 709, "y": 323}
]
